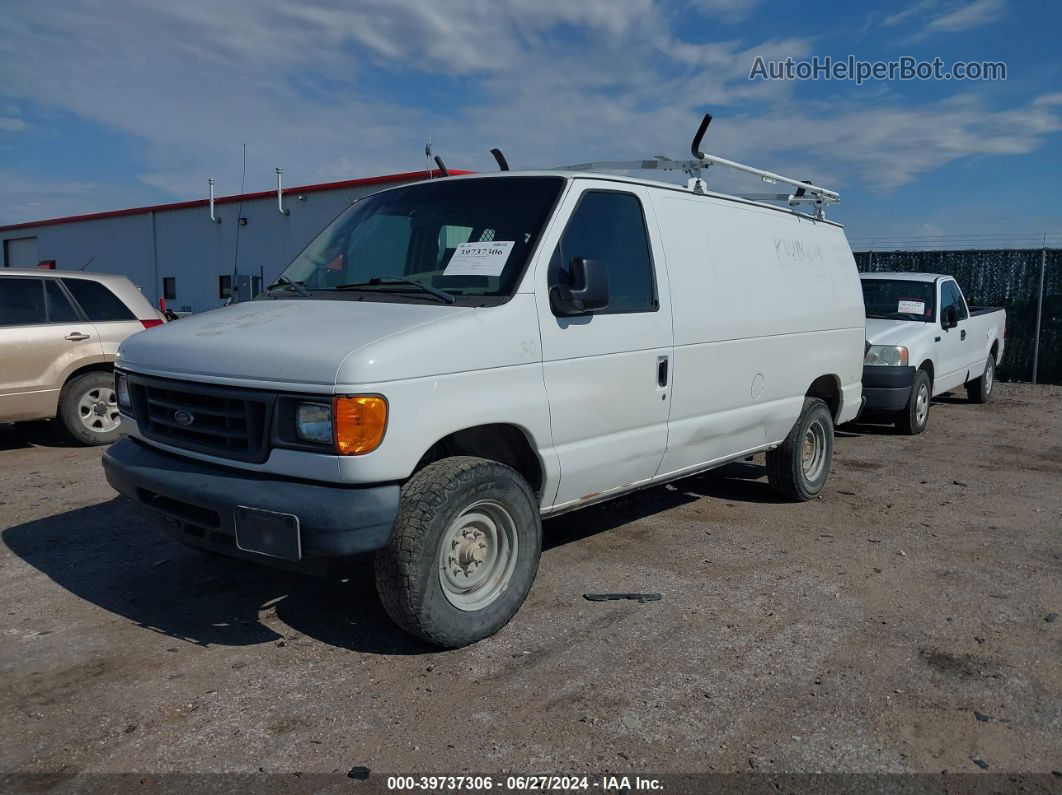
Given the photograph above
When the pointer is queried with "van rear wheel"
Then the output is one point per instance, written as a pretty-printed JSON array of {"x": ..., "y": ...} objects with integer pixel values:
[
  {"x": 463, "y": 553},
  {"x": 798, "y": 468}
]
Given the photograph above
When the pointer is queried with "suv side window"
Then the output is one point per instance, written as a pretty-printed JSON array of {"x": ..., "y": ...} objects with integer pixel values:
[
  {"x": 951, "y": 297},
  {"x": 609, "y": 226},
  {"x": 21, "y": 301},
  {"x": 98, "y": 303},
  {"x": 60, "y": 310}
]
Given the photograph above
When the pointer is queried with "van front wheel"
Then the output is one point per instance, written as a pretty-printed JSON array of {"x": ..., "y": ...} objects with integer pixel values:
[
  {"x": 798, "y": 468},
  {"x": 463, "y": 553}
]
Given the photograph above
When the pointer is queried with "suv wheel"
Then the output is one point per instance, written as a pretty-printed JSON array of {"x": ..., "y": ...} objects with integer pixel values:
[
  {"x": 463, "y": 553},
  {"x": 799, "y": 466},
  {"x": 88, "y": 408}
]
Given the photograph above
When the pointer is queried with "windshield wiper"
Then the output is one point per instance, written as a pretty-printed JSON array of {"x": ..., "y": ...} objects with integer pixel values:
[
  {"x": 285, "y": 282},
  {"x": 442, "y": 295}
]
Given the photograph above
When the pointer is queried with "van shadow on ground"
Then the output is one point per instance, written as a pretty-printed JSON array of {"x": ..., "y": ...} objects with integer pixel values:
[{"x": 113, "y": 556}]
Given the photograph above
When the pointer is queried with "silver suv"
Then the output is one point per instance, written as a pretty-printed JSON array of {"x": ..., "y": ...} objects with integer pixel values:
[{"x": 59, "y": 333}]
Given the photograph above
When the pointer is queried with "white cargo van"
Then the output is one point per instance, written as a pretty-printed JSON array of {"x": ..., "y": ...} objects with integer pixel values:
[{"x": 450, "y": 361}]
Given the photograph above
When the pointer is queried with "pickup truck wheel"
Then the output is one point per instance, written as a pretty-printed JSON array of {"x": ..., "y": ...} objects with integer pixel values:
[
  {"x": 88, "y": 408},
  {"x": 798, "y": 468},
  {"x": 913, "y": 419},
  {"x": 463, "y": 553},
  {"x": 980, "y": 391}
]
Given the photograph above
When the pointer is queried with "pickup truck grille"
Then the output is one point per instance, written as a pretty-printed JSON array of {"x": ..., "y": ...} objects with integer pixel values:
[{"x": 221, "y": 421}]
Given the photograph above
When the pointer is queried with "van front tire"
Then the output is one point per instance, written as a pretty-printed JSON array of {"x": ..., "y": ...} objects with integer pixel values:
[
  {"x": 798, "y": 468},
  {"x": 463, "y": 553},
  {"x": 88, "y": 409}
]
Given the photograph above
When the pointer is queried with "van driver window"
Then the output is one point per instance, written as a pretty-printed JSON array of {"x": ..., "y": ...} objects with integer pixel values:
[{"x": 609, "y": 227}]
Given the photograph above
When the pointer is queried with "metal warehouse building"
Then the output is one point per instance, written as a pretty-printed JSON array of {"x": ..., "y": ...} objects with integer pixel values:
[{"x": 176, "y": 252}]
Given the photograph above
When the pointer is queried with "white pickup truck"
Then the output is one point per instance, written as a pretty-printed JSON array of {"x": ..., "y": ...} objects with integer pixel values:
[{"x": 916, "y": 351}]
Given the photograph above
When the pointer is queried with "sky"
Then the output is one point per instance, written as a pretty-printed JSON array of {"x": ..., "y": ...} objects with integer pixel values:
[{"x": 106, "y": 104}]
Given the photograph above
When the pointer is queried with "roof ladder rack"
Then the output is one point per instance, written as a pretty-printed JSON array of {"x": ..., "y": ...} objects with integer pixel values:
[{"x": 805, "y": 193}]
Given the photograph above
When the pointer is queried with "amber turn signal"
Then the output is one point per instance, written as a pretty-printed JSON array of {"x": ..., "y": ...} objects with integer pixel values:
[{"x": 359, "y": 423}]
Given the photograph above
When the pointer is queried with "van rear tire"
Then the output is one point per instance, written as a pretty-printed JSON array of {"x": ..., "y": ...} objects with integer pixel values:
[
  {"x": 88, "y": 409},
  {"x": 799, "y": 467},
  {"x": 463, "y": 553}
]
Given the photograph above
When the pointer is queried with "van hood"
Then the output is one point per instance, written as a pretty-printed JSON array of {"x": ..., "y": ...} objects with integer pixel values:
[
  {"x": 882, "y": 331},
  {"x": 297, "y": 341}
]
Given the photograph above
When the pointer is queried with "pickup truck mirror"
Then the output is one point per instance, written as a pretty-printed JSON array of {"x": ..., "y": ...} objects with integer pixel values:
[
  {"x": 589, "y": 289},
  {"x": 950, "y": 318}
]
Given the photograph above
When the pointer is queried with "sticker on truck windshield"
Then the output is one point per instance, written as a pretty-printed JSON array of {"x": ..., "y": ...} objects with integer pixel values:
[
  {"x": 479, "y": 259},
  {"x": 912, "y": 307}
]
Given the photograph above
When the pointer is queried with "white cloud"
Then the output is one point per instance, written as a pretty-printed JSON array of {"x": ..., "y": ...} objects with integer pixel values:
[
  {"x": 549, "y": 81},
  {"x": 727, "y": 10},
  {"x": 954, "y": 20},
  {"x": 977, "y": 13},
  {"x": 12, "y": 125}
]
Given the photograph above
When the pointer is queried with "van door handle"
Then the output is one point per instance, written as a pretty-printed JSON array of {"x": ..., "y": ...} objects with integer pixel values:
[
  {"x": 76, "y": 336},
  {"x": 661, "y": 371},
  {"x": 962, "y": 334}
]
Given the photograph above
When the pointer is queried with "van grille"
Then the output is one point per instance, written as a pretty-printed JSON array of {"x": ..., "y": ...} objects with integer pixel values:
[{"x": 231, "y": 423}]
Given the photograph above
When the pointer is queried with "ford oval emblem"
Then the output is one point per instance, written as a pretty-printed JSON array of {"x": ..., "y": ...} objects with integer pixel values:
[{"x": 182, "y": 417}]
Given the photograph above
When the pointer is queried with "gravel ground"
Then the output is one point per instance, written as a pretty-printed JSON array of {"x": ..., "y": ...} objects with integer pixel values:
[{"x": 903, "y": 622}]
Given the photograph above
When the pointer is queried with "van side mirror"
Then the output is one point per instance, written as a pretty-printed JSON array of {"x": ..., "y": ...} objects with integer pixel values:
[
  {"x": 951, "y": 318},
  {"x": 588, "y": 291}
]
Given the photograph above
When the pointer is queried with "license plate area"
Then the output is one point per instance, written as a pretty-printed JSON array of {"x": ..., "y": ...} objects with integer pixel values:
[{"x": 268, "y": 533}]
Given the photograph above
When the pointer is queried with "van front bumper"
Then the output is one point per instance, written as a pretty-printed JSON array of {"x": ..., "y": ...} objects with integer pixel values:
[
  {"x": 197, "y": 501},
  {"x": 886, "y": 388}
]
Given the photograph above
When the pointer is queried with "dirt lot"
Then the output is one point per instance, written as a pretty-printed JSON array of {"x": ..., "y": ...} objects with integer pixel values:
[{"x": 904, "y": 621}]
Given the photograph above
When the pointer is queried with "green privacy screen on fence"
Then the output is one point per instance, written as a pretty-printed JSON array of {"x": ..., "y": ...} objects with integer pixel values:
[{"x": 1007, "y": 278}]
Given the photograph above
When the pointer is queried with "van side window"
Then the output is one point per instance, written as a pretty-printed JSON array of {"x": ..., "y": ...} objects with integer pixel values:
[
  {"x": 609, "y": 226},
  {"x": 951, "y": 297},
  {"x": 21, "y": 302},
  {"x": 99, "y": 303}
]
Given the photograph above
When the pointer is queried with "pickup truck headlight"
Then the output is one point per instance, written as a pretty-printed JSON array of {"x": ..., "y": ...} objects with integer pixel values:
[
  {"x": 890, "y": 355},
  {"x": 313, "y": 422},
  {"x": 121, "y": 389}
]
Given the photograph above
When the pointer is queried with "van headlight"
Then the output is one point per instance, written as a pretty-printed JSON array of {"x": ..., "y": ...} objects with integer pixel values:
[
  {"x": 889, "y": 355},
  {"x": 313, "y": 423}
]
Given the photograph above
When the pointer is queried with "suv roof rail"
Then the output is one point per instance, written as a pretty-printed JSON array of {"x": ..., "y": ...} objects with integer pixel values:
[{"x": 806, "y": 192}]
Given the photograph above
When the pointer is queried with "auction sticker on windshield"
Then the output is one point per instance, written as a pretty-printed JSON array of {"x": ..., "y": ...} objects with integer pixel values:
[
  {"x": 912, "y": 307},
  {"x": 479, "y": 259}
]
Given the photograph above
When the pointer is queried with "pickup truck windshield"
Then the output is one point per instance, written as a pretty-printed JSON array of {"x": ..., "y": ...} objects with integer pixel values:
[
  {"x": 898, "y": 299},
  {"x": 468, "y": 239}
]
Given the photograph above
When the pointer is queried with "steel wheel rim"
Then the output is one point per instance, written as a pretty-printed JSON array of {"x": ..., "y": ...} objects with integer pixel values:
[
  {"x": 922, "y": 404},
  {"x": 813, "y": 451},
  {"x": 477, "y": 555},
  {"x": 98, "y": 409},
  {"x": 990, "y": 376}
]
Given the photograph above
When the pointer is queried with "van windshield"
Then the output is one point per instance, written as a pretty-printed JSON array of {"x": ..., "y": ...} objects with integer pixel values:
[
  {"x": 899, "y": 299},
  {"x": 468, "y": 239}
]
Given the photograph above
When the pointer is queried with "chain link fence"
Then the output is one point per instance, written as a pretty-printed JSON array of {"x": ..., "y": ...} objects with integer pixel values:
[{"x": 1026, "y": 282}]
